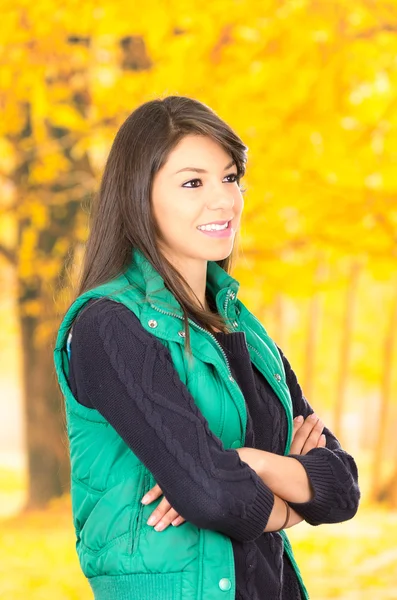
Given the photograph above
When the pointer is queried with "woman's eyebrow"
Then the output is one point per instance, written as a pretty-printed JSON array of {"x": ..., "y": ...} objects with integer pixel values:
[{"x": 198, "y": 170}]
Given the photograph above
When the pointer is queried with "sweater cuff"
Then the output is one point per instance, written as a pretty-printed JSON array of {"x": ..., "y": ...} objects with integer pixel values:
[
  {"x": 322, "y": 481},
  {"x": 250, "y": 526}
]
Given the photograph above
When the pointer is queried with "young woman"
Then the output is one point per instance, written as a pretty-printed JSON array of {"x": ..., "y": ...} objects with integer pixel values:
[{"x": 192, "y": 446}]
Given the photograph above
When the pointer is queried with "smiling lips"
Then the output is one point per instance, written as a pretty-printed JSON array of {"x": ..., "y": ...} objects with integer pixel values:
[
  {"x": 215, "y": 225},
  {"x": 217, "y": 229}
]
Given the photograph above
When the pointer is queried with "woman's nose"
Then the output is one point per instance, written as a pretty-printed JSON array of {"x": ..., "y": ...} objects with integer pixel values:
[{"x": 222, "y": 200}]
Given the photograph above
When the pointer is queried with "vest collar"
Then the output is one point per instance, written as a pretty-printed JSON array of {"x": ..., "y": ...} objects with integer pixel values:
[{"x": 221, "y": 285}]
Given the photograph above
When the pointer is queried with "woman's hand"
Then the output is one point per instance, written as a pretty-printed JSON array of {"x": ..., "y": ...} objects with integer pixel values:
[
  {"x": 307, "y": 434},
  {"x": 164, "y": 514}
]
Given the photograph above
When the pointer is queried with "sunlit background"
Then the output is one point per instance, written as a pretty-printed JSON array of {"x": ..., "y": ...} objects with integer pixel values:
[{"x": 310, "y": 87}]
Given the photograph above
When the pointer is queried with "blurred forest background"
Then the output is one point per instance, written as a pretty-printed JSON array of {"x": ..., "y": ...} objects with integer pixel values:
[{"x": 310, "y": 86}]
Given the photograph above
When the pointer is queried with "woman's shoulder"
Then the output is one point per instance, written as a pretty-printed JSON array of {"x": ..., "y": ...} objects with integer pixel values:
[{"x": 100, "y": 311}]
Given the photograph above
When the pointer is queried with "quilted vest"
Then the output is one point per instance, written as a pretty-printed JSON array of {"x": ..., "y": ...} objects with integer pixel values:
[{"x": 122, "y": 557}]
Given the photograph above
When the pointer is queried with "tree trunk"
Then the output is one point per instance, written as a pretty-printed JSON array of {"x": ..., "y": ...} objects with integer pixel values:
[
  {"x": 384, "y": 407},
  {"x": 345, "y": 350},
  {"x": 311, "y": 343},
  {"x": 45, "y": 429},
  {"x": 313, "y": 326},
  {"x": 388, "y": 492}
]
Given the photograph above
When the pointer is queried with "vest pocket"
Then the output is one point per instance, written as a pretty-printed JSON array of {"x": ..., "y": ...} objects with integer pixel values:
[
  {"x": 137, "y": 522},
  {"x": 145, "y": 586}
]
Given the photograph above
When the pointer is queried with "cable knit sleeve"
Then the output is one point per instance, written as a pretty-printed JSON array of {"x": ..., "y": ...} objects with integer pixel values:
[
  {"x": 128, "y": 375},
  {"x": 332, "y": 472}
]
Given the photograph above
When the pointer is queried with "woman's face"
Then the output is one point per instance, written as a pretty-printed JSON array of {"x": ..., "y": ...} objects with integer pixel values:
[{"x": 184, "y": 198}]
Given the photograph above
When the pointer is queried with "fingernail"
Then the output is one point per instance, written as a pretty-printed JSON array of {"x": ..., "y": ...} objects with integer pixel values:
[
  {"x": 159, "y": 526},
  {"x": 313, "y": 416},
  {"x": 299, "y": 419},
  {"x": 145, "y": 499},
  {"x": 151, "y": 520}
]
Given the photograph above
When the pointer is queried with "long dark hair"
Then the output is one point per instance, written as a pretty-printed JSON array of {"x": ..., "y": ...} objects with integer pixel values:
[{"x": 121, "y": 215}]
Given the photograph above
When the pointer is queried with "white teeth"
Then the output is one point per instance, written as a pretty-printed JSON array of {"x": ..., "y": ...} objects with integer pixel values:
[{"x": 213, "y": 227}]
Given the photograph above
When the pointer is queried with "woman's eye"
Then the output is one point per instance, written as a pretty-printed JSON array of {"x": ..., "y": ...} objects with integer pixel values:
[
  {"x": 191, "y": 181},
  {"x": 235, "y": 175}
]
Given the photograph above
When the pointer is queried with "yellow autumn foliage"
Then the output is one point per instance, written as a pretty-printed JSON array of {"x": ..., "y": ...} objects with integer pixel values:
[{"x": 311, "y": 89}]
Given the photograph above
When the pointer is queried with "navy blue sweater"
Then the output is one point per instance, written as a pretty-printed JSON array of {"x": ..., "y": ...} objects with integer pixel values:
[{"x": 263, "y": 570}]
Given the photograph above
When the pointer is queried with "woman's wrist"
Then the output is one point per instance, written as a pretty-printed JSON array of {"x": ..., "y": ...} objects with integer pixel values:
[
  {"x": 294, "y": 518},
  {"x": 278, "y": 516},
  {"x": 287, "y": 517}
]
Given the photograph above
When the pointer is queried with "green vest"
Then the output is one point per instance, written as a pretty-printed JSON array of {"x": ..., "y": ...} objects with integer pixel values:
[{"x": 123, "y": 557}]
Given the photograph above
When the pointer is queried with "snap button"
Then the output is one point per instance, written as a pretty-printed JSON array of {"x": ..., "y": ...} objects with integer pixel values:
[
  {"x": 225, "y": 584},
  {"x": 232, "y": 295},
  {"x": 182, "y": 333},
  {"x": 236, "y": 444},
  {"x": 277, "y": 376},
  {"x": 152, "y": 323}
]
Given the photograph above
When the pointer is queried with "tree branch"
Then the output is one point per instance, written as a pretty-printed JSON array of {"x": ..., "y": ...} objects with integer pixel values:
[{"x": 9, "y": 255}]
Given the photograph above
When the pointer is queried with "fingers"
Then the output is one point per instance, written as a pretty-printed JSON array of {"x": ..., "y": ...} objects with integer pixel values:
[
  {"x": 307, "y": 435},
  {"x": 154, "y": 493},
  {"x": 298, "y": 422},
  {"x": 295, "y": 445},
  {"x": 314, "y": 435},
  {"x": 163, "y": 515}
]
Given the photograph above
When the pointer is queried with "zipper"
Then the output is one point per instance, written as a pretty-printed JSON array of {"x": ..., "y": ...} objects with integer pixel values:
[
  {"x": 255, "y": 350},
  {"x": 262, "y": 359},
  {"x": 138, "y": 519},
  {"x": 226, "y": 301},
  {"x": 201, "y": 329}
]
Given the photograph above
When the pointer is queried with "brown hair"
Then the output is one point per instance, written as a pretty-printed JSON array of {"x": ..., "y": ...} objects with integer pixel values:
[{"x": 122, "y": 217}]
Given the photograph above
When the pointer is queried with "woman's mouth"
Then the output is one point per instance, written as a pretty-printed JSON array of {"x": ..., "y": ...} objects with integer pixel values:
[{"x": 217, "y": 230}]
